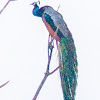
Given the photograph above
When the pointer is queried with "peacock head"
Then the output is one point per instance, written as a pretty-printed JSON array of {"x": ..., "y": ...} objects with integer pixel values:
[{"x": 36, "y": 11}]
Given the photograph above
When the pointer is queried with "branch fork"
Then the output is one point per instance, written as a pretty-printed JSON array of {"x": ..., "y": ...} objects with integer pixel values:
[{"x": 47, "y": 73}]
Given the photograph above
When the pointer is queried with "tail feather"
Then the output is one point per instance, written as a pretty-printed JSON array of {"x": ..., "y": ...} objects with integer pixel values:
[{"x": 68, "y": 67}]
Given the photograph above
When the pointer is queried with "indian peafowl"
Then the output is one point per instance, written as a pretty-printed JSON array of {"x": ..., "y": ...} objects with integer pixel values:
[{"x": 58, "y": 29}]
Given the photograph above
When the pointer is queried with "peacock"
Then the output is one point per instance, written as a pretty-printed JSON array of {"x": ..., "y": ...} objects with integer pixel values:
[{"x": 58, "y": 29}]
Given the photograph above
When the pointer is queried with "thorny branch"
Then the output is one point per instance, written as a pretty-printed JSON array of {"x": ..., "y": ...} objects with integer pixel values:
[{"x": 5, "y": 5}]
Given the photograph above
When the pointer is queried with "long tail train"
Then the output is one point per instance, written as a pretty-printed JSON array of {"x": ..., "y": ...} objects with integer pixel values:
[{"x": 68, "y": 67}]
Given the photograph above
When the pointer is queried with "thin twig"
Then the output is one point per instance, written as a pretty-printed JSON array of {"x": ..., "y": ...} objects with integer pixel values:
[
  {"x": 54, "y": 70},
  {"x": 4, "y": 84},
  {"x": 5, "y": 5},
  {"x": 58, "y": 7}
]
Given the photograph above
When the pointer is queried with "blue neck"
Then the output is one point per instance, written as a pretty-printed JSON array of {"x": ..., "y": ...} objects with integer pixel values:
[{"x": 36, "y": 11}]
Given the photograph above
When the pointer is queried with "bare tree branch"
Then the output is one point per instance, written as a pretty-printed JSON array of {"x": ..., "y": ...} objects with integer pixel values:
[
  {"x": 4, "y": 84},
  {"x": 50, "y": 50},
  {"x": 40, "y": 86},
  {"x": 54, "y": 70},
  {"x": 50, "y": 47},
  {"x": 5, "y": 5},
  {"x": 42, "y": 82}
]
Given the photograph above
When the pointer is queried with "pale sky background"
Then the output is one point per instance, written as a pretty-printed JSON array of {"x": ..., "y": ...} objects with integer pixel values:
[{"x": 23, "y": 50}]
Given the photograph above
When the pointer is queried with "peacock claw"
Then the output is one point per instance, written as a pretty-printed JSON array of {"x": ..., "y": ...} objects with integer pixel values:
[{"x": 51, "y": 46}]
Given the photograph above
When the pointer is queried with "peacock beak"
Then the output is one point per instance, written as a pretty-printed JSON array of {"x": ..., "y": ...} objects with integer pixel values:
[{"x": 32, "y": 4}]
